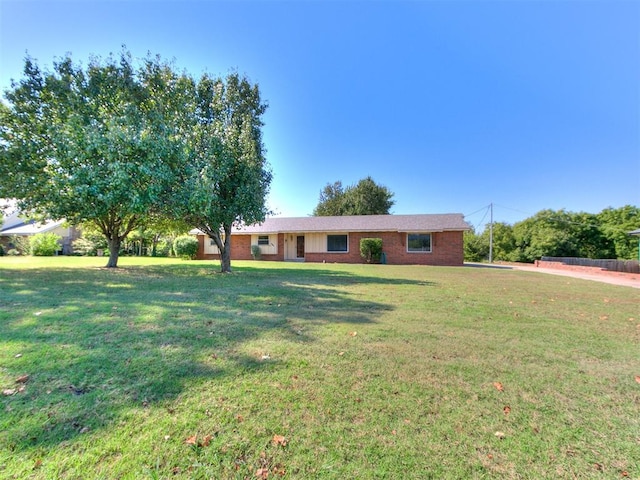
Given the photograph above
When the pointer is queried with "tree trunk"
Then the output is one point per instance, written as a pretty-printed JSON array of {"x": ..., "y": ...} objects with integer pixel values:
[
  {"x": 225, "y": 261},
  {"x": 154, "y": 245},
  {"x": 114, "y": 251},
  {"x": 225, "y": 253}
]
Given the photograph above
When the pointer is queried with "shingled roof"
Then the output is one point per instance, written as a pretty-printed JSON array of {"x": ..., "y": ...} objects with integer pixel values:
[{"x": 360, "y": 223}]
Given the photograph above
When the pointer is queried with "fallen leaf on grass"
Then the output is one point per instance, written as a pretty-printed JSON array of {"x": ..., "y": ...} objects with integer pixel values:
[
  {"x": 638, "y": 378},
  {"x": 279, "y": 440},
  {"x": 500, "y": 435},
  {"x": 193, "y": 440},
  {"x": 353, "y": 334},
  {"x": 18, "y": 355},
  {"x": 604, "y": 317},
  {"x": 9, "y": 391},
  {"x": 506, "y": 409},
  {"x": 37, "y": 314},
  {"x": 279, "y": 470},
  {"x": 498, "y": 386},
  {"x": 340, "y": 354},
  {"x": 262, "y": 473},
  {"x": 22, "y": 379}
]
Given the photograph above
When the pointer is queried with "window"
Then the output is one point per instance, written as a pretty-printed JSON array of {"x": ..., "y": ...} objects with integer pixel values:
[
  {"x": 337, "y": 243},
  {"x": 263, "y": 239},
  {"x": 419, "y": 242}
]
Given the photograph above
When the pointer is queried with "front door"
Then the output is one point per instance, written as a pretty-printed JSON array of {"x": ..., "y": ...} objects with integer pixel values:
[{"x": 300, "y": 246}]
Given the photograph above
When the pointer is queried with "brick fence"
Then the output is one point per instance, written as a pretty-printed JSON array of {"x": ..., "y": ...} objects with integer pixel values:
[
  {"x": 608, "y": 264},
  {"x": 583, "y": 268}
]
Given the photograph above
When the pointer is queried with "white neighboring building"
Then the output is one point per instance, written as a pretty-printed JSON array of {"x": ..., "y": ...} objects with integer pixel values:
[{"x": 13, "y": 224}]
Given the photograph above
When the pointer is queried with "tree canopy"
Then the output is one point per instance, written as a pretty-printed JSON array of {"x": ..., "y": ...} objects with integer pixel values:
[
  {"x": 225, "y": 179},
  {"x": 365, "y": 198},
  {"x": 91, "y": 145},
  {"x": 120, "y": 146}
]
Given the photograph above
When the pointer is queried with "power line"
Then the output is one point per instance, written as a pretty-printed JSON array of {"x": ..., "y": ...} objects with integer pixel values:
[
  {"x": 486, "y": 211},
  {"x": 513, "y": 209},
  {"x": 479, "y": 210}
]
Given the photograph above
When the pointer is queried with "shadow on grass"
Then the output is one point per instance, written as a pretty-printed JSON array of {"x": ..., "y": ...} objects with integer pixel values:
[{"x": 96, "y": 342}]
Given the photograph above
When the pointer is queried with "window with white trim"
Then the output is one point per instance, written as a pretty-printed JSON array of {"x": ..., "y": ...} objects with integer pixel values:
[
  {"x": 418, "y": 242},
  {"x": 263, "y": 239},
  {"x": 337, "y": 243}
]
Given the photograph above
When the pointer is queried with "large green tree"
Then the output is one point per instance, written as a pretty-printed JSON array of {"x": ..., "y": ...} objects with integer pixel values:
[
  {"x": 365, "y": 198},
  {"x": 559, "y": 233},
  {"x": 616, "y": 223},
  {"x": 476, "y": 246},
  {"x": 96, "y": 144},
  {"x": 476, "y": 249},
  {"x": 226, "y": 178},
  {"x": 331, "y": 202}
]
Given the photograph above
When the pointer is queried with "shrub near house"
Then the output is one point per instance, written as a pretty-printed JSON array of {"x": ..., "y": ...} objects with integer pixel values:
[
  {"x": 186, "y": 247},
  {"x": 371, "y": 249},
  {"x": 45, "y": 244}
]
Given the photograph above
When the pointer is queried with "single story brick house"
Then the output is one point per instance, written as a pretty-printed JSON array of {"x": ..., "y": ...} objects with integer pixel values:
[{"x": 425, "y": 239}]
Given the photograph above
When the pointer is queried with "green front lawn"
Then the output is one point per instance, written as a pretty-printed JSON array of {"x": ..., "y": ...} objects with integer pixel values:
[{"x": 166, "y": 369}]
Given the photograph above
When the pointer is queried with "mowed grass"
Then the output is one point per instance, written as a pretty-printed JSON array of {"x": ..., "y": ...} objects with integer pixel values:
[{"x": 166, "y": 369}]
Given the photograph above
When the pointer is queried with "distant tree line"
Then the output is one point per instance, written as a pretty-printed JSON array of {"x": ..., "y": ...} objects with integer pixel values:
[{"x": 559, "y": 233}]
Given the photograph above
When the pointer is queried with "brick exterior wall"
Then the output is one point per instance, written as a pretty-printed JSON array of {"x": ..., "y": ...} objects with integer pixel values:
[
  {"x": 446, "y": 249},
  {"x": 240, "y": 248}
]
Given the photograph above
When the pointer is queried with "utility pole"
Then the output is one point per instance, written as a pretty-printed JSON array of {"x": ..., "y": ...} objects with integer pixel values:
[{"x": 491, "y": 234}]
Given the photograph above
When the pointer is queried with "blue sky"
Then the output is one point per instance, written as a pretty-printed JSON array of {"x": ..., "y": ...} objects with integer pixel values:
[{"x": 452, "y": 105}]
